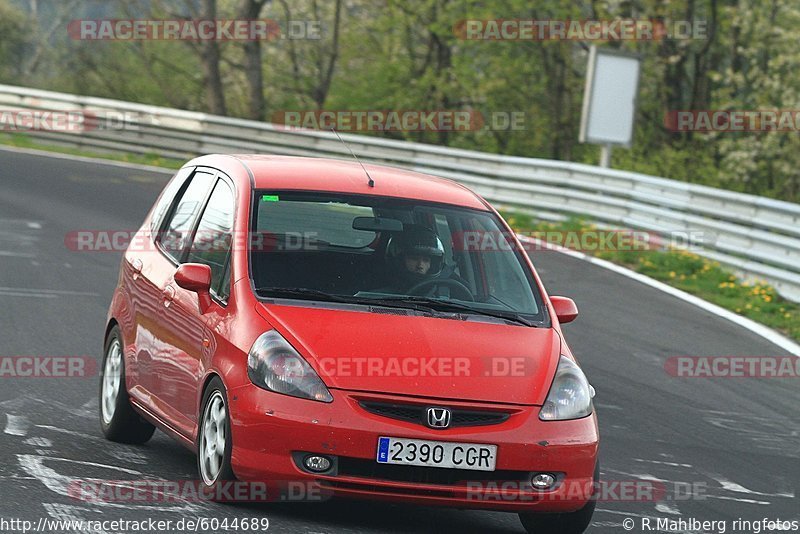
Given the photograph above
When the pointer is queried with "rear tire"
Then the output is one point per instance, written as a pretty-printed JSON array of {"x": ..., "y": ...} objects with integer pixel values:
[
  {"x": 566, "y": 523},
  {"x": 214, "y": 440},
  {"x": 118, "y": 420}
]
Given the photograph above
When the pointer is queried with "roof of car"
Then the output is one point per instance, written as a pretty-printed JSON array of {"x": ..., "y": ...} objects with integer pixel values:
[{"x": 344, "y": 176}]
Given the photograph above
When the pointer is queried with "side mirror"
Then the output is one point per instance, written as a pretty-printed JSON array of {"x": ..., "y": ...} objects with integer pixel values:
[
  {"x": 196, "y": 277},
  {"x": 565, "y": 308}
]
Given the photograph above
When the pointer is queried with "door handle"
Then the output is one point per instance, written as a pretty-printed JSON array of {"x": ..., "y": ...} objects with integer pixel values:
[{"x": 169, "y": 295}]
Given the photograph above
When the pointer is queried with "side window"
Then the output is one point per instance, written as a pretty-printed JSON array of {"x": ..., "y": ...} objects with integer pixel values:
[
  {"x": 212, "y": 241},
  {"x": 167, "y": 197},
  {"x": 177, "y": 231}
]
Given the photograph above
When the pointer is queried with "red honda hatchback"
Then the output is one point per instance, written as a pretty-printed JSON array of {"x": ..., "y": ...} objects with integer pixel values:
[{"x": 378, "y": 332}]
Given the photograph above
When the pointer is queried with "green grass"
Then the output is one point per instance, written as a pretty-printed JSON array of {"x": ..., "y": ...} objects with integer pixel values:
[
  {"x": 25, "y": 141},
  {"x": 689, "y": 272}
]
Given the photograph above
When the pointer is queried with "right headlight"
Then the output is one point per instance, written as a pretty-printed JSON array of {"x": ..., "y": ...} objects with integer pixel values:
[
  {"x": 570, "y": 396},
  {"x": 274, "y": 365}
]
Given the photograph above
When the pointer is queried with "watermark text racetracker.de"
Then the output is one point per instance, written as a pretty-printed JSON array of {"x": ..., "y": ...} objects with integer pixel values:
[
  {"x": 580, "y": 240},
  {"x": 400, "y": 120},
  {"x": 468, "y": 241},
  {"x": 71, "y": 121},
  {"x": 41, "y": 366},
  {"x": 133, "y": 492},
  {"x": 733, "y": 366},
  {"x": 48, "y": 525},
  {"x": 579, "y": 30},
  {"x": 582, "y": 490},
  {"x": 738, "y": 120},
  {"x": 193, "y": 29}
]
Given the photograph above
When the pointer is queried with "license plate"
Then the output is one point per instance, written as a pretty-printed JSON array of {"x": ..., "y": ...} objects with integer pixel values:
[{"x": 437, "y": 454}]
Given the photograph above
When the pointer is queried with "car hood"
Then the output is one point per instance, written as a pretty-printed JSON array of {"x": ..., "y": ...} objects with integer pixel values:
[{"x": 391, "y": 352}]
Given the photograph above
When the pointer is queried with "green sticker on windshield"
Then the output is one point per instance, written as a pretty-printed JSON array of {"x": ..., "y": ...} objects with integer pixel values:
[{"x": 269, "y": 198}]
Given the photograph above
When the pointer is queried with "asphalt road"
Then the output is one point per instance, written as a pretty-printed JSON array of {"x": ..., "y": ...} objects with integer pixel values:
[{"x": 737, "y": 441}]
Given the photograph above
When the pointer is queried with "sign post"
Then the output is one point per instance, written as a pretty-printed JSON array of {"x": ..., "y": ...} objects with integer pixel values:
[{"x": 609, "y": 100}]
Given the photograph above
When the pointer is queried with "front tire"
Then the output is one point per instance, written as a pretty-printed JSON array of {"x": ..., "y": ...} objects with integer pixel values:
[
  {"x": 566, "y": 523},
  {"x": 118, "y": 420},
  {"x": 214, "y": 439}
]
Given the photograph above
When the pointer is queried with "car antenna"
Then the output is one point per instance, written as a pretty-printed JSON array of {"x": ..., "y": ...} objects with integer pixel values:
[{"x": 371, "y": 182}]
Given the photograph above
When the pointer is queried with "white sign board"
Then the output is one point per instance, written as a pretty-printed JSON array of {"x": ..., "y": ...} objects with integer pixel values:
[{"x": 609, "y": 99}]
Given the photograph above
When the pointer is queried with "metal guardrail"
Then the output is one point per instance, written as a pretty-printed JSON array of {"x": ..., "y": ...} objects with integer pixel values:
[{"x": 756, "y": 236}]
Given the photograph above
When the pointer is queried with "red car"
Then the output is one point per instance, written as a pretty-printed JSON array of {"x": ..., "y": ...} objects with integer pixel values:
[{"x": 377, "y": 332}]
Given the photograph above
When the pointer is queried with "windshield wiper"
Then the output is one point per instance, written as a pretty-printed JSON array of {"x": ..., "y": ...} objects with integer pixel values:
[
  {"x": 421, "y": 304},
  {"x": 444, "y": 305},
  {"x": 302, "y": 293},
  {"x": 314, "y": 294}
]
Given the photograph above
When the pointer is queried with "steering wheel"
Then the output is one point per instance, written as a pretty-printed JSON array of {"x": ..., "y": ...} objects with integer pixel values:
[{"x": 418, "y": 289}]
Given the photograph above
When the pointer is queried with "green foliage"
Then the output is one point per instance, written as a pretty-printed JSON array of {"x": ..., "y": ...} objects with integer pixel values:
[
  {"x": 15, "y": 36},
  {"x": 404, "y": 55}
]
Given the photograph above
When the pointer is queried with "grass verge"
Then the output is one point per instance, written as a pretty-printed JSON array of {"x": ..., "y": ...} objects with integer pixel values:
[
  {"x": 25, "y": 141},
  {"x": 689, "y": 272}
]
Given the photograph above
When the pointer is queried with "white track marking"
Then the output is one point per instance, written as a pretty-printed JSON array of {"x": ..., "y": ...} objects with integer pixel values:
[
  {"x": 609, "y": 406},
  {"x": 737, "y": 499},
  {"x": 55, "y": 292},
  {"x": 38, "y": 442},
  {"x": 657, "y": 462},
  {"x": 60, "y": 484},
  {"x": 74, "y": 433},
  {"x": 87, "y": 411},
  {"x": 706, "y": 494},
  {"x": 27, "y": 295},
  {"x": 667, "y": 509},
  {"x": 17, "y": 425},
  {"x": 737, "y": 488},
  {"x": 759, "y": 329}
]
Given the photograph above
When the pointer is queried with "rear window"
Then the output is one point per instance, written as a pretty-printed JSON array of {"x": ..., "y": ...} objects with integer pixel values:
[{"x": 328, "y": 221}]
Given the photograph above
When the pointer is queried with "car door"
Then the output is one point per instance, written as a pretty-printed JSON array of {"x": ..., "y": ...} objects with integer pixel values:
[
  {"x": 142, "y": 260},
  {"x": 156, "y": 339},
  {"x": 194, "y": 340}
]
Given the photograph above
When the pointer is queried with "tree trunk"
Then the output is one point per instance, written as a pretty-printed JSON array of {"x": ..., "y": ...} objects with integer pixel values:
[
  {"x": 256, "y": 105},
  {"x": 210, "y": 59}
]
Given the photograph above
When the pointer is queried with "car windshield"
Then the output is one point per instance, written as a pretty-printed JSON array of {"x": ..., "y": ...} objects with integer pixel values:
[{"x": 391, "y": 252}]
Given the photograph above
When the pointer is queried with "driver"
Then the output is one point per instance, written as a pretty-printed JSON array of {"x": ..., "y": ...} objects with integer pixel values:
[{"x": 414, "y": 256}]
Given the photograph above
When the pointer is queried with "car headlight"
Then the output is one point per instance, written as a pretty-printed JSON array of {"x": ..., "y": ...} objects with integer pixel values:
[
  {"x": 570, "y": 396},
  {"x": 274, "y": 365}
]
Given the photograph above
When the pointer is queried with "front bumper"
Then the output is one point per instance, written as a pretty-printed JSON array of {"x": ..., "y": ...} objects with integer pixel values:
[{"x": 271, "y": 431}]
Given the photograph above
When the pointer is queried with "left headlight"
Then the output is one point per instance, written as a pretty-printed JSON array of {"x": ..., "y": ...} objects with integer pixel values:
[
  {"x": 570, "y": 396},
  {"x": 274, "y": 365}
]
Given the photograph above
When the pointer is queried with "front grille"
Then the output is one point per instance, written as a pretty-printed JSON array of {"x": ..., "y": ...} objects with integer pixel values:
[
  {"x": 418, "y": 414},
  {"x": 355, "y": 467}
]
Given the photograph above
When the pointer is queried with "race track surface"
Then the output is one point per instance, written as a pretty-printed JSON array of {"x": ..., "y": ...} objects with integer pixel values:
[{"x": 736, "y": 440}]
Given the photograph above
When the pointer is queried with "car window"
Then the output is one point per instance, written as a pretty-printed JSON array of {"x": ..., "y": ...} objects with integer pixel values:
[
  {"x": 445, "y": 254},
  {"x": 167, "y": 197},
  {"x": 212, "y": 240},
  {"x": 176, "y": 233},
  {"x": 329, "y": 221},
  {"x": 503, "y": 272}
]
